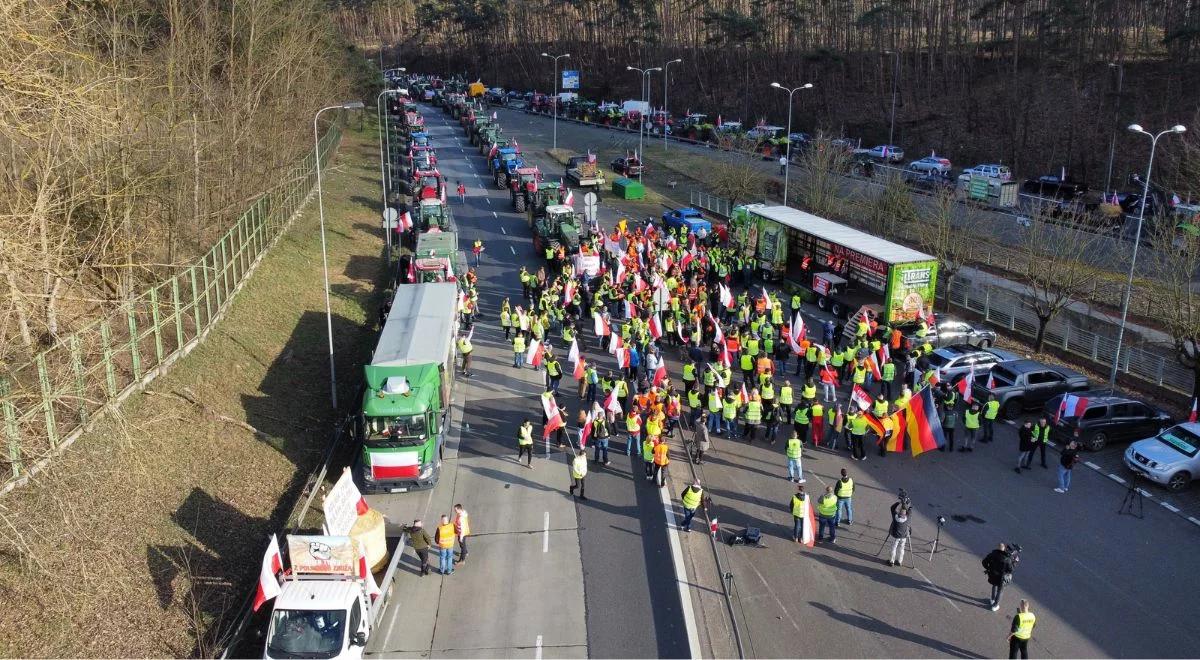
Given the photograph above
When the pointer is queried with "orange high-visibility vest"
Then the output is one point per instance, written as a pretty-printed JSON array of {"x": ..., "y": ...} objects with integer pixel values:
[{"x": 446, "y": 535}]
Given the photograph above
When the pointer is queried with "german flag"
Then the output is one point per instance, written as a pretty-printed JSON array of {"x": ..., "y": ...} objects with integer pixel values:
[
  {"x": 899, "y": 426},
  {"x": 924, "y": 429},
  {"x": 890, "y": 428}
]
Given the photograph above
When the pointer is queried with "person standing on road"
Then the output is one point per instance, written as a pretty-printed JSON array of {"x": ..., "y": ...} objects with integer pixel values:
[
  {"x": 421, "y": 542},
  {"x": 465, "y": 348},
  {"x": 525, "y": 443},
  {"x": 692, "y": 498},
  {"x": 857, "y": 422},
  {"x": 827, "y": 508},
  {"x": 799, "y": 508},
  {"x": 579, "y": 470},
  {"x": 477, "y": 250},
  {"x": 444, "y": 537},
  {"x": 703, "y": 443},
  {"x": 1025, "y": 445},
  {"x": 600, "y": 436},
  {"x": 462, "y": 529},
  {"x": 844, "y": 490},
  {"x": 648, "y": 457},
  {"x": 900, "y": 531},
  {"x": 518, "y": 347},
  {"x": 998, "y": 565},
  {"x": 553, "y": 373},
  {"x": 1066, "y": 463},
  {"x": 991, "y": 410},
  {"x": 1041, "y": 438},
  {"x": 462, "y": 196},
  {"x": 1021, "y": 631},
  {"x": 662, "y": 458},
  {"x": 782, "y": 165},
  {"x": 971, "y": 425},
  {"x": 795, "y": 448}
]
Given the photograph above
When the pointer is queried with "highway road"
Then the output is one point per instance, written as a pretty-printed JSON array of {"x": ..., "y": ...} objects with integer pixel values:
[{"x": 550, "y": 576}]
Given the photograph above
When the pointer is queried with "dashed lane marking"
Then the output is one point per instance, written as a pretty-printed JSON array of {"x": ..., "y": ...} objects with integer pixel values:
[
  {"x": 1092, "y": 465},
  {"x": 545, "y": 537},
  {"x": 1116, "y": 478},
  {"x": 514, "y": 251},
  {"x": 537, "y": 653},
  {"x": 1169, "y": 507}
]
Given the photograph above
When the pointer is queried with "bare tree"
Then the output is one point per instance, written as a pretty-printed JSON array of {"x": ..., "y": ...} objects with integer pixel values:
[
  {"x": 823, "y": 164},
  {"x": 1173, "y": 258},
  {"x": 1056, "y": 267},
  {"x": 946, "y": 231},
  {"x": 738, "y": 181}
]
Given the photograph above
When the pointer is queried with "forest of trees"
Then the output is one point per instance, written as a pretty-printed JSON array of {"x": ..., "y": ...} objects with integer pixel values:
[
  {"x": 1031, "y": 83},
  {"x": 134, "y": 132}
]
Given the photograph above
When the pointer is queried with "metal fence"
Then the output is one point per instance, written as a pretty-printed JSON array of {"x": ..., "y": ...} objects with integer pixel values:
[
  {"x": 1008, "y": 309},
  {"x": 49, "y": 401}
]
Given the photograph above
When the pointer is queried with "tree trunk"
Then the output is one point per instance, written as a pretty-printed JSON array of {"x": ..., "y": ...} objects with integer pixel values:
[{"x": 1040, "y": 339}]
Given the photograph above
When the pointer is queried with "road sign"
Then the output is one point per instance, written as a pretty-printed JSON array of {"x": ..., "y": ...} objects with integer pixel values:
[
  {"x": 570, "y": 79},
  {"x": 389, "y": 218},
  {"x": 589, "y": 207},
  {"x": 590, "y": 199}
]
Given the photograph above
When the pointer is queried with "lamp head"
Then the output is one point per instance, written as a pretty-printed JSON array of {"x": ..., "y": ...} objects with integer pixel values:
[
  {"x": 776, "y": 85},
  {"x": 657, "y": 68},
  {"x": 1136, "y": 128},
  {"x": 545, "y": 54},
  {"x": 353, "y": 105},
  {"x": 1178, "y": 128},
  {"x": 629, "y": 68},
  {"x": 565, "y": 55},
  {"x": 807, "y": 86},
  {"x": 675, "y": 61}
]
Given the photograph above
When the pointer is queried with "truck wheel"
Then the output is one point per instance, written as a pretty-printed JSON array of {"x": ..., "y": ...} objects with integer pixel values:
[
  {"x": 1097, "y": 441},
  {"x": 1012, "y": 409},
  {"x": 838, "y": 310},
  {"x": 1179, "y": 481},
  {"x": 823, "y": 303}
]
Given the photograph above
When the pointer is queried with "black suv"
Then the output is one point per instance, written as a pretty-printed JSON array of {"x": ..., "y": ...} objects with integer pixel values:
[
  {"x": 1023, "y": 385},
  {"x": 1106, "y": 418}
]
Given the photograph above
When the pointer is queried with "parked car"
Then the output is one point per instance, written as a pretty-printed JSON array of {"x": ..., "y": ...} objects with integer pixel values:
[
  {"x": 935, "y": 164},
  {"x": 1054, "y": 187},
  {"x": 1023, "y": 385},
  {"x": 1171, "y": 458},
  {"x": 1106, "y": 418},
  {"x": 990, "y": 170},
  {"x": 889, "y": 152},
  {"x": 628, "y": 166},
  {"x": 946, "y": 330},
  {"x": 690, "y": 218},
  {"x": 955, "y": 362},
  {"x": 765, "y": 132}
]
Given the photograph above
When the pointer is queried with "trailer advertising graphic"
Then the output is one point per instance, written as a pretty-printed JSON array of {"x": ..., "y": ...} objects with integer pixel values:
[{"x": 911, "y": 290}]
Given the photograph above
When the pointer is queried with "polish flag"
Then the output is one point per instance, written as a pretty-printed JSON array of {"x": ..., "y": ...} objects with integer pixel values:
[
  {"x": 687, "y": 259},
  {"x": 601, "y": 326},
  {"x": 580, "y": 368},
  {"x": 616, "y": 344},
  {"x": 1072, "y": 406},
  {"x": 622, "y": 358},
  {"x": 570, "y": 198},
  {"x": 726, "y": 358},
  {"x": 726, "y": 296},
  {"x": 268, "y": 582},
  {"x": 991, "y": 382},
  {"x": 554, "y": 418},
  {"x": 364, "y": 573},
  {"x": 586, "y": 430},
  {"x": 1192, "y": 417},
  {"x": 394, "y": 464},
  {"x": 655, "y": 326},
  {"x": 808, "y": 537},
  {"x": 534, "y": 354},
  {"x": 630, "y": 309},
  {"x": 611, "y": 404},
  {"x": 573, "y": 354},
  {"x": 406, "y": 221},
  {"x": 744, "y": 395},
  {"x": 620, "y": 271},
  {"x": 795, "y": 345},
  {"x": 884, "y": 353},
  {"x": 660, "y": 374},
  {"x": 937, "y": 376},
  {"x": 874, "y": 366},
  {"x": 639, "y": 284},
  {"x": 718, "y": 335},
  {"x": 568, "y": 292},
  {"x": 798, "y": 329},
  {"x": 967, "y": 385},
  {"x": 766, "y": 299},
  {"x": 866, "y": 320},
  {"x": 860, "y": 397}
]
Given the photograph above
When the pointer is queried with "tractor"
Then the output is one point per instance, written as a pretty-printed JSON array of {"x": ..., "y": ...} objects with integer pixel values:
[
  {"x": 560, "y": 226},
  {"x": 659, "y": 121},
  {"x": 546, "y": 194},
  {"x": 522, "y": 187},
  {"x": 586, "y": 111},
  {"x": 488, "y": 136},
  {"x": 432, "y": 213},
  {"x": 481, "y": 122},
  {"x": 503, "y": 164},
  {"x": 427, "y": 184}
]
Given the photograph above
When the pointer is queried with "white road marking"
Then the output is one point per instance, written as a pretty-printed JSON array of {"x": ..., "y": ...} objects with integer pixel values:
[
  {"x": 1116, "y": 478},
  {"x": 1092, "y": 465},
  {"x": 537, "y": 653},
  {"x": 503, "y": 232},
  {"x": 1194, "y": 520},
  {"x": 1144, "y": 493},
  {"x": 495, "y": 216},
  {"x": 514, "y": 251},
  {"x": 1169, "y": 507},
  {"x": 937, "y": 589},
  {"x": 685, "y": 596},
  {"x": 546, "y": 534}
]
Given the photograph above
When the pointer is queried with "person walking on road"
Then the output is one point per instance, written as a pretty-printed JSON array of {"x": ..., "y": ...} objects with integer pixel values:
[
  {"x": 600, "y": 436},
  {"x": 703, "y": 442},
  {"x": 1025, "y": 445},
  {"x": 1066, "y": 463},
  {"x": 444, "y": 538},
  {"x": 827, "y": 515},
  {"x": 525, "y": 443},
  {"x": 477, "y": 251},
  {"x": 900, "y": 531},
  {"x": 462, "y": 529},
  {"x": 799, "y": 509},
  {"x": 782, "y": 165},
  {"x": 462, "y": 196},
  {"x": 692, "y": 498},
  {"x": 518, "y": 347},
  {"x": 465, "y": 348},
  {"x": 1021, "y": 631},
  {"x": 421, "y": 542},
  {"x": 998, "y": 565},
  {"x": 648, "y": 457},
  {"x": 991, "y": 410},
  {"x": 844, "y": 490},
  {"x": 579, "y": 468},
  {"x": 662, "y": 458},
  {"x": 795, "y": 448},
  {"x": 1041, "y": 438}
]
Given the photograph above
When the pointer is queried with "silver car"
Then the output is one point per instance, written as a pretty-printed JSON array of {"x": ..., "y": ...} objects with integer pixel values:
[
  {"x": 954, "y": 362},
  {"x": 1171, "y": 458},
  {"x": 888, "y": 152},
  {"x": 934, "y": 164}
]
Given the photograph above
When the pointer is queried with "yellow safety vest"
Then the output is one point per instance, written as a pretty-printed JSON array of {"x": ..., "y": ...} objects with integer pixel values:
[
  {"x": 794, "y": 447},
  {"x": 754, "y": 412},
  {"x": 817, "y": 410},
  {"x": 445, "y": 535},
  {"x": 729, "y": 409},
  {"x": 1025, "y": 621},
  {"x": 858, "y": 425},
  {"x": 785, "y": 395},
  {"x": 880, "y": 409},
  {"x": 525, "y": 436},
  {"x": 971, "y": 419},
  {"x": 579, "y": 467},
  {"x": 845, "y": 488},
  {"x": 691, "y": 497},
  {"x": 799, "y": 503},
  {"x": 632, "y": 423},
  {"x": 827, "y": 506},
  {"x": 809, "y": 392},
  {"x": 647, "y": 450},
  {"x": 689, "y": 372},
  {"x": 991, "y": 409}
]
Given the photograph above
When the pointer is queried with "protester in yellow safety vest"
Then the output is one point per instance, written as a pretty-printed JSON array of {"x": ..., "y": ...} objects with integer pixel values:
[
  {"x": 691, "y": 498},
  {"x": 754, "y": 409},
  {"x": 860, "y": 374},
  {"x": 991, "y": 410},
  {"x": 799, "y": 510},
  {"x": 579, "y": 469},
  {"x": 858, "y": 431},
  {"x": 525, "y": 442},
  {"x": 633, "y": 425},
  {"x": 518, "y": 344},
  {"x": 795, "y": 446},
  {"x": 809, "y": 391},
  {"x": 729, "y": 410},
  {"x": 785, "y": 399},
  {"x": 444, "y": 537},
  {"x": 1021, "y": 631},
  {"x": 844, "y": 490},
  {"x": 971, "y": 425},
  {"x": 887, "y": 374},
  {"x": 827, "y": 508}
]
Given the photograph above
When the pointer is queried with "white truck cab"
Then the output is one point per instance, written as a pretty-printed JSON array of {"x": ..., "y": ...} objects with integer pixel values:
[{"x": 319, "y": 619}]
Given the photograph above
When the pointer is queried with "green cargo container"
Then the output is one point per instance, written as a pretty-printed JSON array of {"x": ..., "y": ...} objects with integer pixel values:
[{"x": 629, "y": 189}]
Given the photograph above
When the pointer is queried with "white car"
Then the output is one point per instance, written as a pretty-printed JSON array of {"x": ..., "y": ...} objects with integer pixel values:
[
  {"x": 991, "y": 171},
  {"x": 928, "y": 164},
  {"x": 1171, "y": 458},
  {"x": 888, "y": 152},
  {"x": 765, "y": 132}
]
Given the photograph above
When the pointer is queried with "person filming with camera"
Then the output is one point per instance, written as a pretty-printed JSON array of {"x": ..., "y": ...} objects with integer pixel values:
[{"x": 999, "y": 565}]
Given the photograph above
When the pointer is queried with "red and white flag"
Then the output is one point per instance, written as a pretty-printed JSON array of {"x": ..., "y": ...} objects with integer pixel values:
[
  {"x": 535, "y": 353},
  {"x": 622, "y": 358},
  {"x": 611, "y": 404},
  {"x": 936, "y": 377},
  {"x": 601, "y": 326},
  {"x": 570, "y": 198},
  {"x": 660, "y": 374},
  {"x": 766, "y": 299},
  {"x": 655, "y": 326},
  {"x": 744, "y": 395},
  {"x": 569, "y": 292},
  {"x": 687, "y": 259},
  {"x": 630, "y": 308},
  {"x": 991, "y": 382},
  {"x": 866, "y": 320},
  {"x": 795, "y": 345},
  {"x": 585, "y": 431},
  {"x": 1192, "y": 417},
  {"x": 620, "y": 271},
  {"x": 364, "y": 573},
  {"x": 406, "y": 221},
  {"x": 554, "y": 418},
  {"x": 860, "y": 397},
  {"x": 726, "y": 358},
  {"x": 268, "y": 580},
  {"x": 807, "y": 534},
  {"x": 967, "y": 385},
  {"x": 874, "y": 367},
  {"x": 885, "y": 354},
  {"x": 718, "y": 334},
  {"x": 798, "y": 329},
  {"x": 726, "y": 296},
  {"x": 1072, "y": 406},
  {"x": 580, "y": 369},
  {"x": 615, "y": 345}
]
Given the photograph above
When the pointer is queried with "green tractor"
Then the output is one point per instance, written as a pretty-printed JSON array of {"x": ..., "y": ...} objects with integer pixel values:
[
  {"x": 547, "y": 193},
  {"x": 489, "y": 135},
  {"x": 560, "y": 226},
  {"x": 432, "y": 214},
  {"x": 481, "y": 122}
]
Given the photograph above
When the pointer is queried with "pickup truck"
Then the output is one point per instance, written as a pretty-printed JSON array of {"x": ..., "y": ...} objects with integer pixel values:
[
  {"x": 691, "y": 218},
  {"x": 583, "y": 170},
  {"x": 1023, "y": 385}
]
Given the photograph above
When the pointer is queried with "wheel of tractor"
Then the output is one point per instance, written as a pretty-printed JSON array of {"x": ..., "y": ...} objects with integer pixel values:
[
  {"x": 496, "y": 179},
  {"x": 519, "y": 204}
]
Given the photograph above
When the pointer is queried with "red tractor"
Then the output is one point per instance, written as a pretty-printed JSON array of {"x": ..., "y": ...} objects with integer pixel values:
[
  {"x": 523, "y": 187},
  {"x": 427, "y": 184}
]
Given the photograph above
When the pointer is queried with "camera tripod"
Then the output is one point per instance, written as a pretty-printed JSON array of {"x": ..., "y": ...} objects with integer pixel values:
[
  {"x": 908, "y": 549},
  {"x": 1133, "y": 500}
]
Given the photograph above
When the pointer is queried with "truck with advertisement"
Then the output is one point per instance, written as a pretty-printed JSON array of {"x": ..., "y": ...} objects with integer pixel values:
[
  {"x": 409, "y": 385},
  {"x": 843, "y": 268}
]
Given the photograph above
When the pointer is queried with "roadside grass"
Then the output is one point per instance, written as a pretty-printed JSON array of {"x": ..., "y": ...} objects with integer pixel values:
[{"x": 145, "y": 538}]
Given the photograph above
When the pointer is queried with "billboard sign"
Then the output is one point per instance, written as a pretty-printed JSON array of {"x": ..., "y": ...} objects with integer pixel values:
[
  {"x": 570, "y": 79},
  {"x": 910, "y": 291}
]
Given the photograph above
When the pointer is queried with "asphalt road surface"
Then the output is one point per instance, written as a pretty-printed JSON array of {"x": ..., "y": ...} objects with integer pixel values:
[{"x": 598, "y": 577}]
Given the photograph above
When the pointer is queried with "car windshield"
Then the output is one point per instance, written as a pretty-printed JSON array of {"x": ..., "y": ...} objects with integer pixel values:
[
  {"x": 306, "y": 633},
  {"x": 429, "y": 182},
  {"x": 938, "y": 360},
  {"x": 1181, "y": 440},
  {"x": 404, "y": 430}
]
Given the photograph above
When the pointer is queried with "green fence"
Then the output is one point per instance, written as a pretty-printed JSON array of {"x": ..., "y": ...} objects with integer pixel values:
[{"x": 50, "y": 400}]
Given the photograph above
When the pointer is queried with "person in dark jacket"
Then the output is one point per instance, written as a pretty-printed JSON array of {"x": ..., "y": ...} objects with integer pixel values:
[
  {"x": 998, "y": 565},
  {"x": 899, "y": 532},
  {"x": 1025, "y": 437},
  {"x": 421, "y": 542}
]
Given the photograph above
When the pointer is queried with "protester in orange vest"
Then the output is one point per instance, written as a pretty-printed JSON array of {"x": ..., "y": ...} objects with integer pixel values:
[
  {"x": 444, "y": 537},
  {"x": 462, "y": 529},
  {"x": 661, "y": 460}
]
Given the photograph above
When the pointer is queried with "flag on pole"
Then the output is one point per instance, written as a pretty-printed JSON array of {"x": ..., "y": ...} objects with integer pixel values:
[
  {"x": 573, "y": 353},
  {"x": 866, "y": 320},
  {"x": 569, "y": 292},
  {"x": 936, "y": 377},
  {"x": 860, "y": 397},
  {"x": 630, "y": 308},
  {"x": 622, "y": 358},
  {"x": 874, "y": 367},
  {"x": 406, "y": 221},
  {"x": 967, "y": 385},
  {"x": 744, "y": 395},
  {"x": 726, "y": 358},
  {"x": 726, "y": 296},
  {"x": 766, "y": 298},
  {"x": 1072, "y": 406},
  {"x": 602, "y": 327},
  {"x": 365, "y": 574},
  {"x": 798, "y": 329},
  {"x": 554, "y": 418},
  {"x": 991, "y": 382},
  {"x": 585, "y": 431},
  {"x": 615, "y": 345},
  {"x": 570, "y": 198},
  {"x": 268, "y": 582},
  {"x": 923, "y": 427},
  {"x": 655, "y": 326},
  {"x": 620, "y": 271},
  {"x": 795, "y": 345},
  {"x": 580, "y": 369},
  {"x": 495, "y": 115},
  {"x": 534, "y": 354},
  {"x": 807, "y": 534},
  {"x": 718, "y": 334},
  {"x": 660, "y": 374},
  {"x": 1192, "y": 417},
  {"x": 611, "y": 404},
  {"x": 884, "y": 353}
]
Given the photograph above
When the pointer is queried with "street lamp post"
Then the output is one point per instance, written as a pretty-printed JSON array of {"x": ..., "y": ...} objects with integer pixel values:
[
  {"x": 385, "y": 165},
  {"x": 554, "y": 103},
  {"x": 354, "y": 105},
  {"x": 895, "y": 83},
  {"x": 1136, "y": 128},
  {"x": 1112, "y": 143},
  {"x": 664, "y": 68},
  {"x": 787, "y": 168},
  {"x": 645, "y": 91}
]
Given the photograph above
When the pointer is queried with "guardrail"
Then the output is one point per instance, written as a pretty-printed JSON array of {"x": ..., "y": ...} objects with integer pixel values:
[{"x": 50, "y": 401}]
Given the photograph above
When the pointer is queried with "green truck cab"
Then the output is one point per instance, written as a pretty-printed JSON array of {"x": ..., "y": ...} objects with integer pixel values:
[{"x": 409, "y": 387}]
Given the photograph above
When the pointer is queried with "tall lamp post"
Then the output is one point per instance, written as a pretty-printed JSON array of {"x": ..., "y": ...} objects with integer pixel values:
[
  {"x": 895, "y": 84},
  {"x": 664, "y": 68},
  {"x": 645, "y": 91},
  {"x": 353, "y": 105},
  {"x": 385, "y": 164},
  {"x": 554, "y": 103},
  {"x": 787, "y": 169},
  {"x": 1136, "y": 128},
  {"x": 1112, "y": 143}
]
